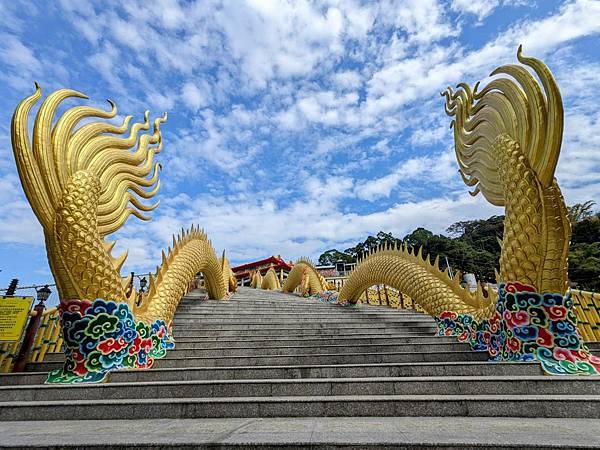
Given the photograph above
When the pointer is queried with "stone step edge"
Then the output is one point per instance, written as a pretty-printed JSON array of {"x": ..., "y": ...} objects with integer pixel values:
[
  {"x": 302, "y": 337},
  {"x": 320, "y": 355},
  {"x": 311, "y": 399},
  {"x": 305, "y": 366},
  {"x": 331, "y": 346},
  {"x": 275, "y": 381}
]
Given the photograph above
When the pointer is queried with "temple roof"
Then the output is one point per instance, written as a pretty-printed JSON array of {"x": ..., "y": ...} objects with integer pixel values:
[{"x": 276, "y": 261}]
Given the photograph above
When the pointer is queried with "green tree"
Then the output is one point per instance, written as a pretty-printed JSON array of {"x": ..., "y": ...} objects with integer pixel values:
[
  {"x": 372, "y": 242},
  {"x": 584, "y": 266},
  {"x": 332, "y": 256},
  {"x": 474, "y": 246}
]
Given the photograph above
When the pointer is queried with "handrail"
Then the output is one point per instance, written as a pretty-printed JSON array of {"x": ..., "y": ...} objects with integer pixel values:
[{"x": 587, "y": 310}]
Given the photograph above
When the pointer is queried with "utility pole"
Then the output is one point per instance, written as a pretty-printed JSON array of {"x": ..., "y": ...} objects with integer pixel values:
[{"x": 449, "y": 268}]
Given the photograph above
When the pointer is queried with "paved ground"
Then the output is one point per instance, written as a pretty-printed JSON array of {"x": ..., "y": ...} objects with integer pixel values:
[{"x": 359, "y": 432}]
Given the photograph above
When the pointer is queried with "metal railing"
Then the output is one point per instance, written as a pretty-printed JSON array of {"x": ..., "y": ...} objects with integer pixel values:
[{"x": 388, "y": 296}]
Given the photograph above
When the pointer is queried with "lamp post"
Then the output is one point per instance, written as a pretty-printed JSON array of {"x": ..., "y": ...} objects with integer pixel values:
[
  {"x": 42, "y": 294},
  {"x": 143, "y": 283},
  {"x": 32, "y": 327}
]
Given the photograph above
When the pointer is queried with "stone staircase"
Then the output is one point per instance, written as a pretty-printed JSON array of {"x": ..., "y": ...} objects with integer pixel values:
[{"x": 271, "y": 370}]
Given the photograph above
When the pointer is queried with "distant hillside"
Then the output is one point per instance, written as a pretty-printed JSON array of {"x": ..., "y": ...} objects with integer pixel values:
[{"x": 473, "y": 246}]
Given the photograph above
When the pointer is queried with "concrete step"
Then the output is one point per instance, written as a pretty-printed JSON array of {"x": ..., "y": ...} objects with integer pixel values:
[
  {"x": 278, "y": 333},
  {"x": 414, "y": 369},
  {"x": 299, "y": 358},
  {"x": 524, "y": 406},
  {"x": 272, "y": 341},
  {"x": 325, "y": 321},
  {"x": 262, "y": 351},
  {"x": 297, "y": 312},
  {"x": 238, "y": 329},
  {"x": 461, "y": 385},
  {"x": 332, "y": 433},
  {"x": 307, "y": 309},
  {"x": 269, "y": 323}
]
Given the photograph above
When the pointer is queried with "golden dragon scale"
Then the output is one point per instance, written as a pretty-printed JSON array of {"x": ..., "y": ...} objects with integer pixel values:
[
  {"x": 507, "y": 141},
  {"x": 83, "y": 182}
]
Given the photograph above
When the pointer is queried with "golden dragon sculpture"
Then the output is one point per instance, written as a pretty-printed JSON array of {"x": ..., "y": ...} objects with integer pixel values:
[
  {"x": 229, "y": 278},
  {"x": 408, "y": 271},
  {"x": 305, "y": 275},
  {"x": 256, "y": 280},
  {"x": 83, "y": 182},
  {"x": 507, "y": 137},
  {"x": 270, "y": 281}
]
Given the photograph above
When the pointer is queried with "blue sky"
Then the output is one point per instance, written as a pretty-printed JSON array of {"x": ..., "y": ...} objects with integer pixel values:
[{"x": 294, "y": 127}]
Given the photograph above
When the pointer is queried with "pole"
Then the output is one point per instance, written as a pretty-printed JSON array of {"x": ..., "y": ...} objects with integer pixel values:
[
  {"x": 449, "y": 268},
  {"x": 30, "y": 332},
  {"x": 12, "y": 287}
]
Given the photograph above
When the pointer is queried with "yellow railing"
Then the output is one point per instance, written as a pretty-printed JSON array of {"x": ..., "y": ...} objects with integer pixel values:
[
  {"x": 387, "y": 296},
  {"x": 586, "y": 305},
  {"x": 8, "y": 352},
  {"x": 587, "y": 309},
  {"x": 47, "y": 339}
]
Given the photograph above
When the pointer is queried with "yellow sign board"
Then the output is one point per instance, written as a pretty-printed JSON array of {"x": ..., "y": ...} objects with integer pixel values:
[{"x": 14, "y": 312}]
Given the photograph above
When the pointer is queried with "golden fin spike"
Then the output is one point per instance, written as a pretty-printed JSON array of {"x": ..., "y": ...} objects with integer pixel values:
[
  {"x": 126, "y": 281},
  {"x": 152, "y": 286},
  {"x": 456, "y": 279},
  {"x": 175, "y": 243},
  {"x": 109, "y": 245},
  {"x": 120, "y": 260},
  {"x": 164, "y": 260},
  {"x": 479, "y": 291},
  {"x": 436, "y": 263},
  {"x": 27, "y": 164}
]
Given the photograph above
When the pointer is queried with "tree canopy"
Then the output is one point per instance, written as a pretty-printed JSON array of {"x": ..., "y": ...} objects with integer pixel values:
[{"x": 473, "y": 246}]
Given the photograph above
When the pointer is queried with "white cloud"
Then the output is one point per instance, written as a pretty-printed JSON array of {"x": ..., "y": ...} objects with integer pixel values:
[
  {"x": 281, "y": 108},
  {"x": 18, "y": 224},
  {"x": 435, "y": 169},
  {"x": 193, "y": 96},
  {"x": 16, "y": 54},
  {"x": 304, "y": 228}
]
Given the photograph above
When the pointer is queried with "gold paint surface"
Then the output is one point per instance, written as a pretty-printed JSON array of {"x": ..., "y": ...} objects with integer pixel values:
[
  {"x": 507, "y": 142},
  {"x": 305, "y": 275},
  {"x": 83, "y": 181}
]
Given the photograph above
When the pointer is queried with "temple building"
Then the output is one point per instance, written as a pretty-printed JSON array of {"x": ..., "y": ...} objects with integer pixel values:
[
  {"x": 336, "y": 274},
  {"x": 244, "y": 272}
]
